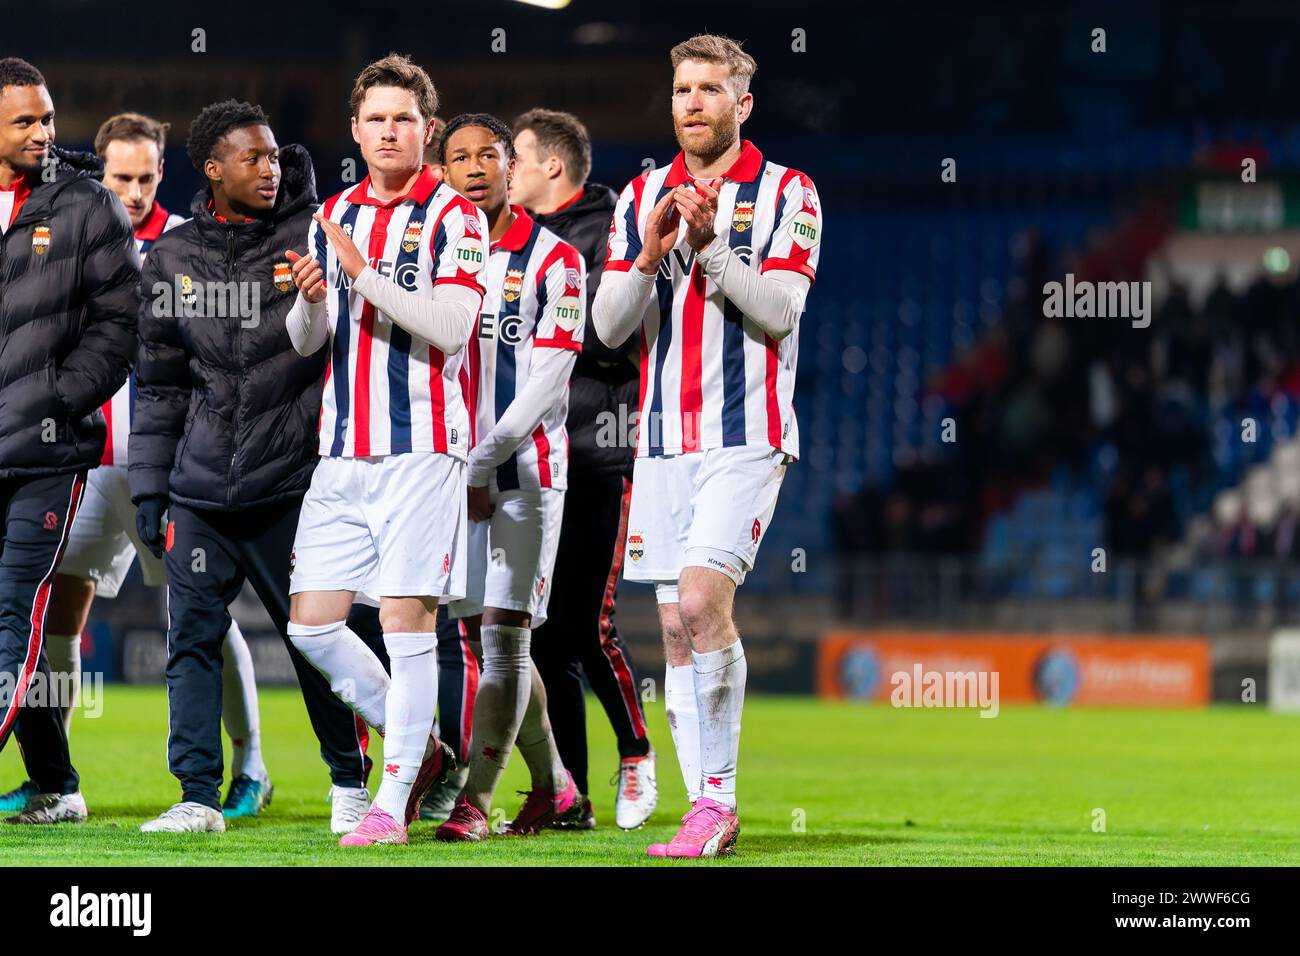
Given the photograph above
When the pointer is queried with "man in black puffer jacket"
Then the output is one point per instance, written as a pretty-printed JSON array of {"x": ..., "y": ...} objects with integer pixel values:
[
  {"x": 69, "y": 296},
  {"x": 224, "y": 436}
]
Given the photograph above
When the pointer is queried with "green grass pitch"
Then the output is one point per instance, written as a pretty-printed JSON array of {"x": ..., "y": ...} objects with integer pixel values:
[{"x": 821, "y": 784}]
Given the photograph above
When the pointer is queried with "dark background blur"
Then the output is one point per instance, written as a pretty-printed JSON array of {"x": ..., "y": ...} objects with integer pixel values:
[{"x": 1067, "y": 435}]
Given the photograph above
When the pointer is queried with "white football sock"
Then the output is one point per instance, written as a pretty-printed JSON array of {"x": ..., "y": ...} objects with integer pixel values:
[
  {"x": 63, "y": 654},
  {"x": 503, "y": 690},
  {"x": 536, "y": 741},
  {"x": 355, "y": 674},
  {"x": 239, "y": 705},
  {"x": 720, "y": 698},
  {"x": 412, "y": 699},
  {"x": 684, "y": 722}
]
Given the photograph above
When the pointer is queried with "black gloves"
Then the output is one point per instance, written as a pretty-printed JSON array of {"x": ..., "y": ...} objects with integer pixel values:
[{"x": 149, "y": 524}]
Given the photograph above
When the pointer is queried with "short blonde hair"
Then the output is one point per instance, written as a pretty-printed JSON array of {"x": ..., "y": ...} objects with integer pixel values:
[{"x": 711, "y": 48}]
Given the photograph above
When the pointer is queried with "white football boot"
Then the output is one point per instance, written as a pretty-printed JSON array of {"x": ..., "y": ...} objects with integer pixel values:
[
  {"x": 637, "y": 791},
  {"x": 349, "y": 806},
  {"x": 187, "y": 817},
  {"x": 52, "y": 808}
]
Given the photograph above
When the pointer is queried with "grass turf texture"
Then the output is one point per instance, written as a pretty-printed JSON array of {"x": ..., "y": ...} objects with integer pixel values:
[{"x": 870, "y": 785}]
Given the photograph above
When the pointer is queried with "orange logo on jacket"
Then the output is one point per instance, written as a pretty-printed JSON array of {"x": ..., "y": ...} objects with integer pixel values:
[
  {"x": 282, "y": 276},
  {"x": 40, "y": 240}
]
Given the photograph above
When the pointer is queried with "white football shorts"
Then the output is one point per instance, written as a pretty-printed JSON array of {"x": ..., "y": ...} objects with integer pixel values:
[
  {"x": 385, "y": 526},
  {"x": 512, "y": 554},
  {"x": 705, "y": 509}
]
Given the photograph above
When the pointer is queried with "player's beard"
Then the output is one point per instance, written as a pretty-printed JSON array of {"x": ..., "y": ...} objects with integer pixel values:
[
  {"x": 26, "y": 167},
  {"x": 722, "y": 133}
]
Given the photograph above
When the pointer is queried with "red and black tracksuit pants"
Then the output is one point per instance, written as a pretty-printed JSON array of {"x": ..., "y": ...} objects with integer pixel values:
[{"x": 37, "y": 516}]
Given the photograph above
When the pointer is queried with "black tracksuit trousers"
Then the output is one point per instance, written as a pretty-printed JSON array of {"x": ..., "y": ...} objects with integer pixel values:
[
  {"x": 37, "y": 515},
  {"x": 209, "y": 556}
]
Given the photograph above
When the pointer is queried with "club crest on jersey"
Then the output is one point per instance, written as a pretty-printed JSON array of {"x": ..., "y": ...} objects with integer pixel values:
[
  {"x": 635, "y": 546},
  {"x": 282, "y": 276},
  {"x": 411, "y": 238},
  {"x": 803, "y": 230},
  {"x": 742, "y": 219},
  {"x": 469, "y": 254},
  {"x": 513, "y": 287},
  {"x": 568, "y": 313},
  {"x": 187, "y": 291},
  {"x": 40, "y": 240}
]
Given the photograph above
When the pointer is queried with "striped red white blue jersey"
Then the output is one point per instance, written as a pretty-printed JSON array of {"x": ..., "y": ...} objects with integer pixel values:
[
  {"x": 536, "y": 292},
  {"x": 117, "y": 410},
  {"x": 710, "y": 377},
  {"x": 387, "y": 392}
]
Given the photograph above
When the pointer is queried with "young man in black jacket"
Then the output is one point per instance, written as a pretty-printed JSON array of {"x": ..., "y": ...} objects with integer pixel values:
[
  {"x": 553, "y": 159},
  {"x": 223, "y": 439},
  {"x": 69, "y": 296}
]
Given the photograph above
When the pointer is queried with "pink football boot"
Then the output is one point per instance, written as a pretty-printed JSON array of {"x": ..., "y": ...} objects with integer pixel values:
[
  {"x": 377, "y": 827},
  {"x": 542, "y": 807},
  {"x": 464, "y": 824},
  {"x": 708, "y": 829}
]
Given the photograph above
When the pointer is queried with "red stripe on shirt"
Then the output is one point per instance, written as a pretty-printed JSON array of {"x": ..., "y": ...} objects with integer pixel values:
[
  {"x": 437, "y": 400},
  {"x": 790, "y": 265},
  {"x": 365, "y": 343},
  {"x": 543, "y": 456},
  {"x": 569, "y": 344},
  {"x": 769, "y": 386},
  {"x": 692, "y": 360}
]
